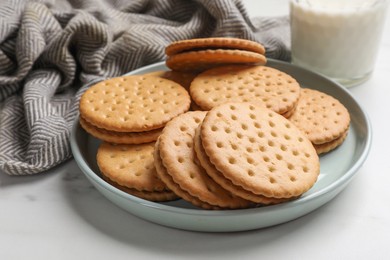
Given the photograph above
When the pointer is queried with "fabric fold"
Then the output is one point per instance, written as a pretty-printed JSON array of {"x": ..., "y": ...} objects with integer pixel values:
[{"x": 52, "y": 50}]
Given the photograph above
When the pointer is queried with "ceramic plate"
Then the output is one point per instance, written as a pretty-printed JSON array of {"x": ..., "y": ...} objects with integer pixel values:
[{"x": 337, "y": 169}]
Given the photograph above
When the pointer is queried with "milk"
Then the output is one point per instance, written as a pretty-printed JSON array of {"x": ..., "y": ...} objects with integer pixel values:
[{"x": 338, "y": 38}]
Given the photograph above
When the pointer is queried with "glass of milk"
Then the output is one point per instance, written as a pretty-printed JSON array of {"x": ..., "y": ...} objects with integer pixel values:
[{"x": 337, "y": 38}]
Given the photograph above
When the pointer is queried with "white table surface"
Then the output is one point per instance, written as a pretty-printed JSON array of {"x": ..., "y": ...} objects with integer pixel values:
[{"x": 60, "y": 215}]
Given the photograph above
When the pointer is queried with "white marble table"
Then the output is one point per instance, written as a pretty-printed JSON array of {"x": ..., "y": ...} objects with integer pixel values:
[{"x": 60, "y": 215}]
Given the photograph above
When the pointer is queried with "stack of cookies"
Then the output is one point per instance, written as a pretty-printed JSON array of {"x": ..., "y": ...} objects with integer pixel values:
[
  {"x": 253, "y": 137},
  {"x": 205, "y": 53},
  {"x": 131, "y": 169},
  {"x": 131, "y": 109},
  {"x": 177, "y": 166},
  {"x": 322, "y": 118},
  {"x": 128, "y": 113},
  {"x": 236, "y": 155}
]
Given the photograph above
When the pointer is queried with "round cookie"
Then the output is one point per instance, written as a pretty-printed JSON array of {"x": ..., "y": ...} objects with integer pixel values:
[
  {"x": 322, "y": 117},
  {"x": 263, "y": 85},
  {"x": 206, "y": 59},
  {"x": 178, "y": 157},
  {"x": 221, "y": 180},
  {"x": 214, "y": 43},
  {"x": 131, "y": 166},
  {"x": 259, "y": 150},
  {"x": 133, "y": 103},
  {"x": 120, "y": 137}
]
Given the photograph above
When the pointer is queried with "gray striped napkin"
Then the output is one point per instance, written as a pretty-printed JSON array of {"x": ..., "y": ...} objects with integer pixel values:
[{"x": 51, "y": 49}]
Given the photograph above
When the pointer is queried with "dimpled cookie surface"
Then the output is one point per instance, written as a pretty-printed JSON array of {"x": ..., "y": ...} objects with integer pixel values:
[{"x": 259, "y": 150}]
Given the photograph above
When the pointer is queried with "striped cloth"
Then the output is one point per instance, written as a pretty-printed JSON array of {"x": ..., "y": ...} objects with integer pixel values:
[{"x": 50, "y": 51}]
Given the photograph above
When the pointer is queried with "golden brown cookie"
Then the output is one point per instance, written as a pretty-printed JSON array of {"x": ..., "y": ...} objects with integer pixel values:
[
  {"x": 133, "y": 103},
  {"x": 178, "y": 157},
  {"x": 282, "y": 162},
  {"x": 214, "y": 43},
  {"x": 263, "y": 85},
  {"x": 131, "y": 166},
  {"x": 120, "y": 137},
  {"x": 226, "y": 183},
  {"x": 206, "y": 59},
  {"x": 322, "y": 117}
]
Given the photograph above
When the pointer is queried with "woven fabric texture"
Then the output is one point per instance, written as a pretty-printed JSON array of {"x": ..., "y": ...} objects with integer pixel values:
[{"x": 51, "y": 51}]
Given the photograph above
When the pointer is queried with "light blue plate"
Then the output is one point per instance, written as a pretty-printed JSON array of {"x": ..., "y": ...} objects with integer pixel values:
[{"x": 337, "y": 169}]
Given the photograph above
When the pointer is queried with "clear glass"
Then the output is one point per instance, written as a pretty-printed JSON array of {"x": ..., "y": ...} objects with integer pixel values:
[{"x": 337, "y": 38}]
